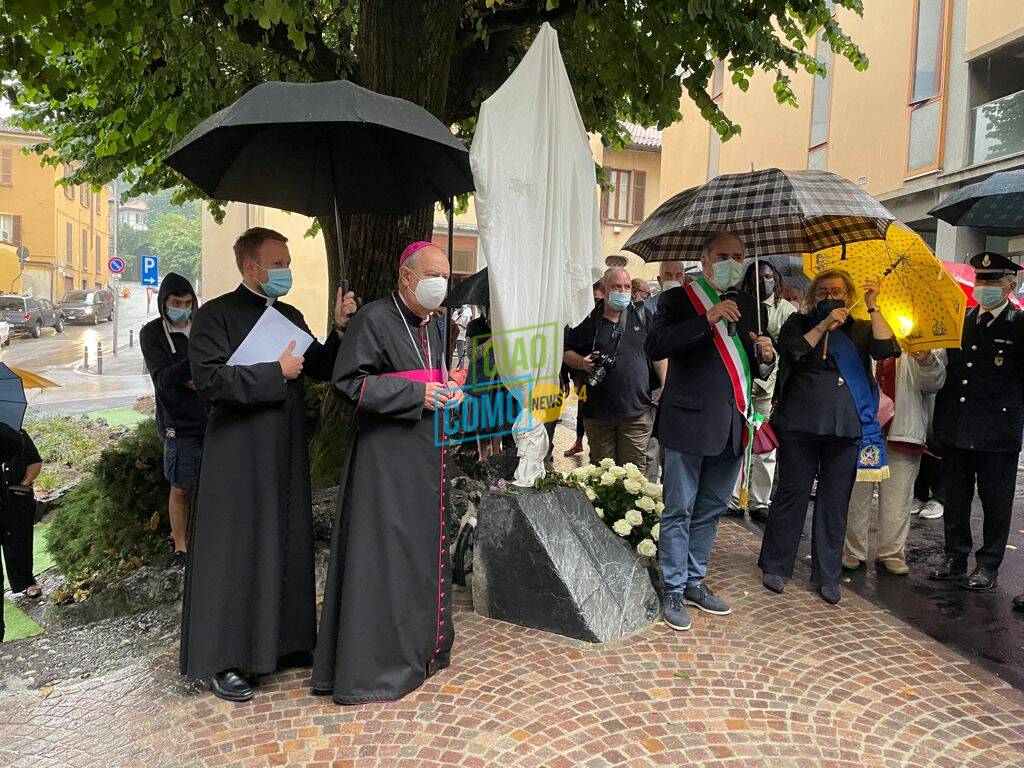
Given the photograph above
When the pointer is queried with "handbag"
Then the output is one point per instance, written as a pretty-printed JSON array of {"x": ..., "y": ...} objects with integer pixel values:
[{"x": 765, "y": 439}]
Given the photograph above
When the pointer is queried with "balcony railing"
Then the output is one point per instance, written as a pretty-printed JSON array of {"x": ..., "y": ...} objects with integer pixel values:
[{"x": 998, "y": 128}]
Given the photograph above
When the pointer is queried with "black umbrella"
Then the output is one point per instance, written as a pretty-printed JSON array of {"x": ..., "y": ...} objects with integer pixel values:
[
  {"x": 324, "y": 149},
  {"x": 314, "y": 148},
  {"x": 996, "y": 203},
  {"x": 473, "y": 290}
]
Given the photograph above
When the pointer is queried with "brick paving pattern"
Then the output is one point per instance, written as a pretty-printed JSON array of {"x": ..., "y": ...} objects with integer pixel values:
[{"x": 784, "y": 681}]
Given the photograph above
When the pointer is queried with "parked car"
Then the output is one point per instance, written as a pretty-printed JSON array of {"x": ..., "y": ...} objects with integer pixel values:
[
  {"x": 25, "y": 313},
  {"x": 87, "y": 306}
]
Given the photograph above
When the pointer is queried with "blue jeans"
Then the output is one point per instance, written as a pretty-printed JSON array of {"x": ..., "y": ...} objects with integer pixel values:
[{"x": 697, "y": 493}]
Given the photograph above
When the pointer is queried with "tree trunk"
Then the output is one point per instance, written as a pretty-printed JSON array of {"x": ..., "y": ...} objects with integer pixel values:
[{"x": 405, "y": 50}]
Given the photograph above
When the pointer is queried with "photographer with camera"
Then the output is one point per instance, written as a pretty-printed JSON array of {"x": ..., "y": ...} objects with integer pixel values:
[
  {"x": 615, "y": 396},
  {"x": 708, "y": 333}
]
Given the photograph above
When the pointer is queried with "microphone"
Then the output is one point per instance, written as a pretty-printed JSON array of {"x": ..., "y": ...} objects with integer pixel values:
[{"x": 728, "y": 295}]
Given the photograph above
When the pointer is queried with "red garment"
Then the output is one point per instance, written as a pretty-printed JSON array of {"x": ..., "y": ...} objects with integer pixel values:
[{"x": 885, "y": 374}]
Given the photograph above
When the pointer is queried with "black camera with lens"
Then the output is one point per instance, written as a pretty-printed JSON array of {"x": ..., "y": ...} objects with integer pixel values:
[{"x": 603, "y": 362}]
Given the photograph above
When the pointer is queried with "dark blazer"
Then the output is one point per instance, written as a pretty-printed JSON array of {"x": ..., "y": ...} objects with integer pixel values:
[
  {"x": 697, "y": 413},
  {"x": 810, "y": 395},
  {"x": 981, "y": 405}
]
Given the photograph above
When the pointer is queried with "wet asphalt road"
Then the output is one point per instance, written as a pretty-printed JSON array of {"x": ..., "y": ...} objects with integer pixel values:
[{"x": 980, "y": 626}]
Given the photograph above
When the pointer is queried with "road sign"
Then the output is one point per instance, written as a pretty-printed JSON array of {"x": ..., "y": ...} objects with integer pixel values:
[
  {"x": 116, "y": 265},
  {"x": 150, "y": 275},
  {"x": 22, "y": 254}
]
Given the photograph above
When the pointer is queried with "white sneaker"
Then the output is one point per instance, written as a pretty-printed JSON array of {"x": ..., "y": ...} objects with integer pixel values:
[
  {"x": 932, "y": 510},
  {"x": 916, "y": 505}
]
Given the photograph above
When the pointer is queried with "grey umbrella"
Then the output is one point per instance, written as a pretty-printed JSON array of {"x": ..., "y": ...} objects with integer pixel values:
[{"x": 995, "y": 203}]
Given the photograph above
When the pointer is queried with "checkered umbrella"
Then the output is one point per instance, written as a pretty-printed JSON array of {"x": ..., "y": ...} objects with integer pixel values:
[{"x": 771, "y": 211}]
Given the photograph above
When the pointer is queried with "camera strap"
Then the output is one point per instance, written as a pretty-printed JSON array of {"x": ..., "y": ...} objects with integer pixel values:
[{"x": 620, "y": 327}]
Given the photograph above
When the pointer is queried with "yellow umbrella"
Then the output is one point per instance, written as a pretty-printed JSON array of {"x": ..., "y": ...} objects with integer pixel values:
[
  {"x": 32, "y": 380},
  {"x": 922, "y": 303}
]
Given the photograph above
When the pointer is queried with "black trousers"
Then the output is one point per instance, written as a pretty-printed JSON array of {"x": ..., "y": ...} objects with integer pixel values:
[
  {"x": 995, "y": 474},
  {"x": 17, "y": 520},
  {"x": 929, "y": 483},
  {"x": 834, "y": 462}
]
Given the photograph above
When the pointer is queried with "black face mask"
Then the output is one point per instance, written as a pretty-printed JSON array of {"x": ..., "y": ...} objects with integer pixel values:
[{"x": 824, "y": 308}]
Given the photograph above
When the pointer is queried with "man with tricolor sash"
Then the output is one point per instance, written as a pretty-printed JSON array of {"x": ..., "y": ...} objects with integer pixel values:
[{"x": 707, "y": 330}]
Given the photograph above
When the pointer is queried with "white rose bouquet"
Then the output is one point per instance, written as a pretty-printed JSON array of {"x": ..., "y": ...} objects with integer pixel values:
[{"x": 626, "y": 502}]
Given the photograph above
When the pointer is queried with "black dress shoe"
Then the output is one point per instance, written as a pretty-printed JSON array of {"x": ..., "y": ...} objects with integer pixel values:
[
  {"x": 734, "y": 511},
  {"x": 759, "y": 515},
  {"x": 230, "y": 686},
  {"x": 1018, "y": 603},
  {"x": 830, "y": 593},
  {"x": 949, "y": 568},
  {"x": 981, "y": 578}
]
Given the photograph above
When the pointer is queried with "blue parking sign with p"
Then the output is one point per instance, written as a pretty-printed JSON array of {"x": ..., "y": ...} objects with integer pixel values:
[{"x": 150, "y": 273}]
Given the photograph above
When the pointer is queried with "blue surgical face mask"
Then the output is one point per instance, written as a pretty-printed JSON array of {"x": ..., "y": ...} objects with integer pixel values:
[
  {"x": 179, "y": 315},
  {"x": 988, "y": 296},
  {"x": 726, "y": 274},
  {"x": 619, "y": 300},
  {"x": 279, "y": 282}
]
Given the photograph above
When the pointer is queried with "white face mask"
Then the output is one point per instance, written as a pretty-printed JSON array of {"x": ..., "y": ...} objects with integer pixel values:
[
  {"x": 668, "y": 285},
  {"x": 430, "y": 292}
]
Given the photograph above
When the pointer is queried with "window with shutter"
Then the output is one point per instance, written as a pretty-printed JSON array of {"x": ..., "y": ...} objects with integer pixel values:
[
  {"x": 85, "y": 248},
  {"x": 6, "y": 166},
  {"x": 16, "y": 229},
  {"x": 99, "y": 251},
  {"x": 639, "y": 195},
  {"x": 69, "y": 191},
  {"x": 615, "y": 204},
  {"x": 6, "y": 228},
  {"x": 83, "y": 195},
  {"x": 69, "y": 243}
]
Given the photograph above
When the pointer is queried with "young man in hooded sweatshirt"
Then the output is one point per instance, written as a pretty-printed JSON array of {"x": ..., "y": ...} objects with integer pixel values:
[{"x": 180, "y": 411}]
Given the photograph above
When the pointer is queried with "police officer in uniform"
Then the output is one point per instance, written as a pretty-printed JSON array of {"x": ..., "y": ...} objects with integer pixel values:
[{"x": 979, "y": 417}]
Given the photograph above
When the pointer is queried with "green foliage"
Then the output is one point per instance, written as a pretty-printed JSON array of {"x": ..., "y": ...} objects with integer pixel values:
[
  {"x": 118, "y": 513},
  {"x": 65, "y": 440},
  {"x": 116, "y": 83},
  {"x": 176, "y": 239}
]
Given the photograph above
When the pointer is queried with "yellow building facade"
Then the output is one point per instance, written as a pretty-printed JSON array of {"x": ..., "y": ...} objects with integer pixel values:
[
  {"x": 66, "y": 231},
  {"x": 940, "y": 106}
]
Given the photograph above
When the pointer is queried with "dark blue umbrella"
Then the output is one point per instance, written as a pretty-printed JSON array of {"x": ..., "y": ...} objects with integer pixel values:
[
  {"x": 995, "y": 203},
  {"x": 12, "y": 398}
]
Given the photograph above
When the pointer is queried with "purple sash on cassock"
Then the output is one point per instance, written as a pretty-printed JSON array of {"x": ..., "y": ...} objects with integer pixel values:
[{"x": 418, "y": 374}]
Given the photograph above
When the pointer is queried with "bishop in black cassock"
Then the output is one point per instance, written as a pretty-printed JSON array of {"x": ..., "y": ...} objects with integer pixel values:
[
  {"x": 249, "y": 587},
  {"x": 386, "y": 622}
]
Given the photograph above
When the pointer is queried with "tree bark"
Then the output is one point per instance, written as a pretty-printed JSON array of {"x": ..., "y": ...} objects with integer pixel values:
[{"x": 404, "y": 49}]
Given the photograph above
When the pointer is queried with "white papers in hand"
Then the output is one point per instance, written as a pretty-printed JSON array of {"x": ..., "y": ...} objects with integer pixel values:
[{"x": 269, "y": 338}]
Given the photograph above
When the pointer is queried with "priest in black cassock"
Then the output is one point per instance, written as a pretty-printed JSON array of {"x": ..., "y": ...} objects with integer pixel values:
[
  {"x": 249, "y": 587},
  {"x": 386, "y": 622}
]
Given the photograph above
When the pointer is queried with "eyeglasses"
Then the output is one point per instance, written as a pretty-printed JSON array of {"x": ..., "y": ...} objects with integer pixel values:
[{"x": 830, "y": 293}]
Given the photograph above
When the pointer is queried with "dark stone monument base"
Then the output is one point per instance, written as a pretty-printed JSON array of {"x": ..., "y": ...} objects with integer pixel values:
[{"x": 546, "y": 561}]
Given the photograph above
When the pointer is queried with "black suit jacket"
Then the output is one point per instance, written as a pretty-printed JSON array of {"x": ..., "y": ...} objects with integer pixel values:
[
  {"x": 697, "y": 413},
  {"x": 981, "y": 405}
]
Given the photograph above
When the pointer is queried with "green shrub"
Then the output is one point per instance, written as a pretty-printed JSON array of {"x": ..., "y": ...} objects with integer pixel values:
[
  {"x": 66, "y": 440},
  {"x": 117, "y": 513}
]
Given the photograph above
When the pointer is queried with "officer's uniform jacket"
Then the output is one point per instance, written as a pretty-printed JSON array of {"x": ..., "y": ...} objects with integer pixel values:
[{"x": 981, "y": 405}]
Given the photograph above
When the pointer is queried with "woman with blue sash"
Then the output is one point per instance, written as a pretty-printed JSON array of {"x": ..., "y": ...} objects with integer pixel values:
[{"x": 826, "y": 419}]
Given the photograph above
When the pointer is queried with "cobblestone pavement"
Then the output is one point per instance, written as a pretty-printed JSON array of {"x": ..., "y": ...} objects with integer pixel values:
[{"x": 784, "y": 681}]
